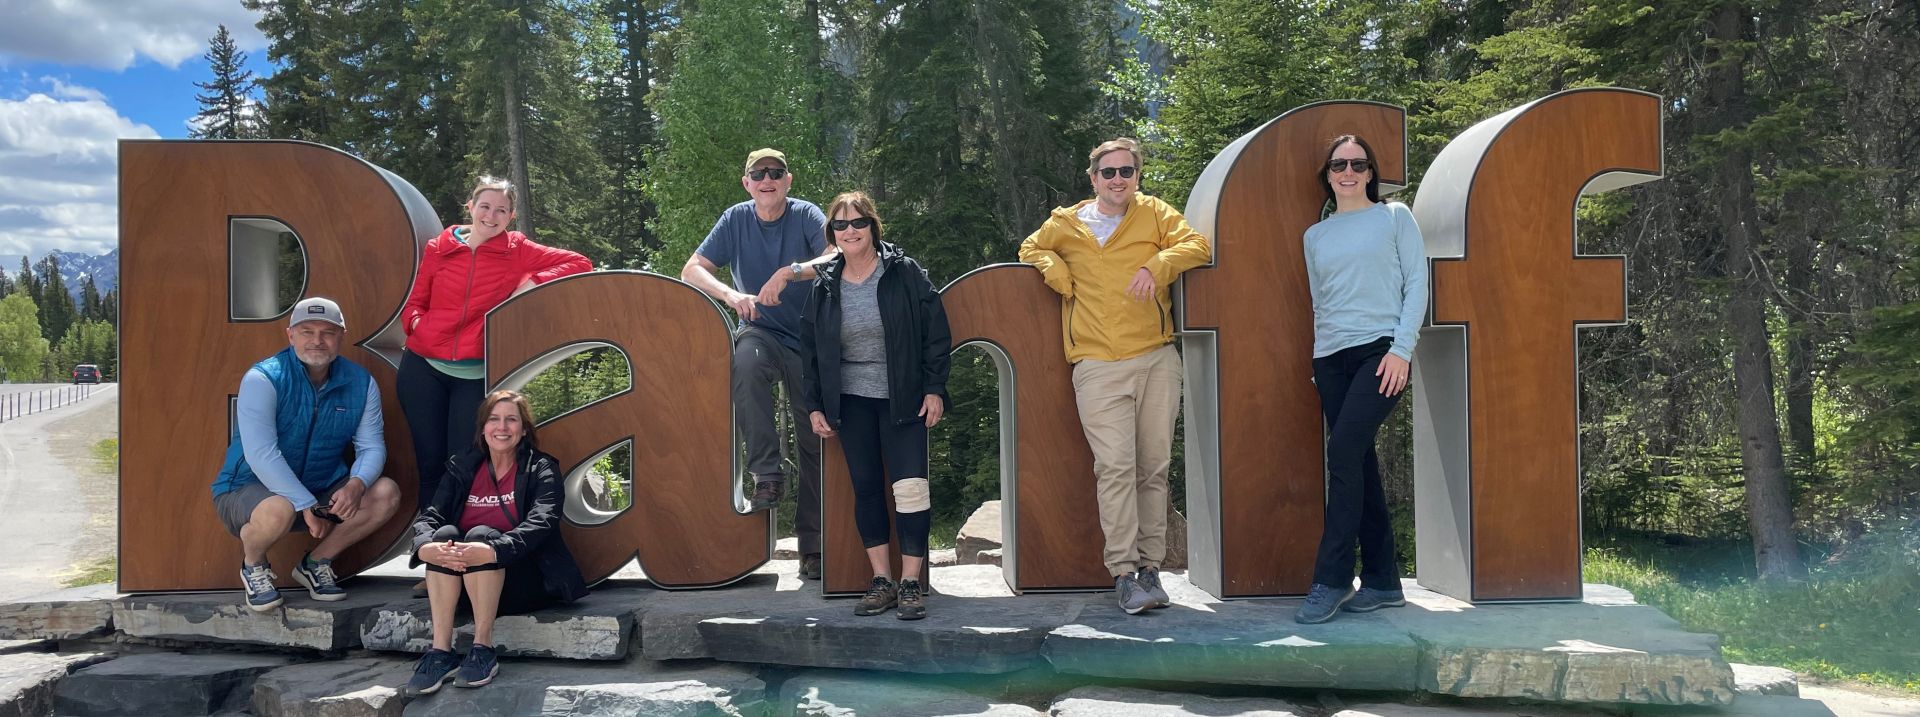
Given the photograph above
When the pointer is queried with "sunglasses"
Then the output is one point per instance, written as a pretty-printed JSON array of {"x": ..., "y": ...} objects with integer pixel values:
[
  {"x": 321, "y": 512},
  {"x": 1108, "y": 172},
  {"x": 773, "y": 173},
  {"x": 841, "y": 225},
  {"x": 1341, "y": 165}
]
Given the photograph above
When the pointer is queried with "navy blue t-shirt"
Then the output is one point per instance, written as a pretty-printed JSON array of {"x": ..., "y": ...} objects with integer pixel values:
[{"x": 753, "y": 250}]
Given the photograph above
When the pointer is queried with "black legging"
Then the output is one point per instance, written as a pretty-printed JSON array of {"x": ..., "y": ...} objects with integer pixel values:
[
  {"x": 442, "y": 415},
  {"x": 880, "y": 453},
  {"x": 1356, "y": 501}
]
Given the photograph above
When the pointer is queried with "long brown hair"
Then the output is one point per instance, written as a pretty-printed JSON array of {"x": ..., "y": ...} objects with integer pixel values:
[{"x": 519, "y": 402}]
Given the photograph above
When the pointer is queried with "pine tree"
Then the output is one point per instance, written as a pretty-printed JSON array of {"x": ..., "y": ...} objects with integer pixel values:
[
  {"x": 56, "y": 305},
  {"x": 227, "y": 109},
  {"x": 90, "y": 307}
]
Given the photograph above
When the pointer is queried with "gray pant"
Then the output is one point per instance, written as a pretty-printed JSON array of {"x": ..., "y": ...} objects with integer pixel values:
[{"x": 759, "y": 362}]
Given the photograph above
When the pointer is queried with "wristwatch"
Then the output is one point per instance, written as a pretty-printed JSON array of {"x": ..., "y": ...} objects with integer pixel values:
[{"x": 796, "y": 268}]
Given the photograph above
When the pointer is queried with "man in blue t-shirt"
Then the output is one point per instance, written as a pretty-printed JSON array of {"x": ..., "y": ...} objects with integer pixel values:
[{"x": 769, "y": 243}]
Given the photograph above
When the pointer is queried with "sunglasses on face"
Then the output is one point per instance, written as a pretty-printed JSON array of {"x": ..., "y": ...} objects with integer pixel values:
[
  {"x": 773, "y": 173},
  {"x": 1108, "y": 172},
  {"x": 1341, "y": 165},
  {"x": 841, "y": 225}
]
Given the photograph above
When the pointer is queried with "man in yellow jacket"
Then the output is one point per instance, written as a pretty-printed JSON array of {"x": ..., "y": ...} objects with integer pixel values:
[{"x": 1113, "y": 259}]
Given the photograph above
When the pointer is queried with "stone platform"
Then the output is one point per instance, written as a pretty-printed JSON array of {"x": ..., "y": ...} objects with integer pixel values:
[{"x": 771, "y": 645}]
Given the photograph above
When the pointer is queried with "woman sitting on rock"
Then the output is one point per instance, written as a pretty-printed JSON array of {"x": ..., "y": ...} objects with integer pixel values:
[{"x": 491, "y": 542}]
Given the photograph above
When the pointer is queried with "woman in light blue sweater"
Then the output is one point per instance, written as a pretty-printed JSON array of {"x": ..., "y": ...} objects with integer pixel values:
[{"x": 1367, "y": 269}]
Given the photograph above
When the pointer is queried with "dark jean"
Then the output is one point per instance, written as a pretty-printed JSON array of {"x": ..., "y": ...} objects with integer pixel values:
[
  {"x": 442, "y": 416},
  {"x": 760, "y": 362},
  {"x": 1356, "y": 509},
  {"x": 879, "y": 453}
]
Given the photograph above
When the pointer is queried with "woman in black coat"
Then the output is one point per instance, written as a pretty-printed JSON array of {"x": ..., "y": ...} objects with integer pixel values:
[
  {"x": 874, "y": 344},
  {"x": 491, "y": 538}
]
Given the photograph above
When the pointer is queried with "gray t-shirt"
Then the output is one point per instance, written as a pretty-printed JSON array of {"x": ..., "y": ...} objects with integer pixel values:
[
  {"x": 753, "y": 250},
  {"x": 863, "y": 339}
]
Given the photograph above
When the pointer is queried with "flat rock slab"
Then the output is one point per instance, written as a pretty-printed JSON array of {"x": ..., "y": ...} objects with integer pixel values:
[
  {"x": 753, "y": 624},
  {"x": 574, "y": 689},
  {"x": 339, "y": 688},
  {"x": 1127, "y": 702},
  {"x": 63, "y": 615},
  {"x": 597, "y": 627},
  {"x": 1764, "y": 680},
  {"x": 221, "y": 617},
  {"x": 820, "y": 693},
  {"x": 165, "y": 683},
  {"x": 12, "y": 646},
  {"x": 1603, "y": 651},
  {"x": 1252, "y": 642},
  {"x": 1755, "y": 706},
  {"x": 27, "y": 680},
  {"x": 1402, "y": 710}
]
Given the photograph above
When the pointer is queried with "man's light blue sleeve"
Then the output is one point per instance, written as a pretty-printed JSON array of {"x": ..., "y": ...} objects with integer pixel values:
[
  {"x": 370, "y": 440},
  {"x": 256, "y": 412}
]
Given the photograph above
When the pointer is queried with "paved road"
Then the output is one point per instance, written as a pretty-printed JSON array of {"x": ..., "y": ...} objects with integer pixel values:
[{"x": 43, "y": 512}]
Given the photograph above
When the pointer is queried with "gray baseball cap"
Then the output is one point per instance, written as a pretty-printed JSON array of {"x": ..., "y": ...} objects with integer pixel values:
[{"x": 317, "y": 309}]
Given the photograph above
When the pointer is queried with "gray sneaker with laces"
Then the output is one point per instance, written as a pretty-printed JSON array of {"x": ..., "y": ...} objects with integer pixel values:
[
  {"x": 1133, "y": 598},
  {"x": 1150, "y": 581}
]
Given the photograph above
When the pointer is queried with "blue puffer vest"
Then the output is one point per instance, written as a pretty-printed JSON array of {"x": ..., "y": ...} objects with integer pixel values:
[{"x": 315, "y": 428}]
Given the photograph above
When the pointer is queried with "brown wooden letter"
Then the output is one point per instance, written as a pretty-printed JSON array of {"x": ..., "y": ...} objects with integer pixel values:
[
  {"x": 1496, "y": 447},
  {"x": 1254, "y": 433},
  {"x": 184, "y": 352},
  {"x": 678, "y": 413}
]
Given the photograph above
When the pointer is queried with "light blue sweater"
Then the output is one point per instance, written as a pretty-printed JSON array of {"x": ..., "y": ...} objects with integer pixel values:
[{"x": 1367, "y": 270}]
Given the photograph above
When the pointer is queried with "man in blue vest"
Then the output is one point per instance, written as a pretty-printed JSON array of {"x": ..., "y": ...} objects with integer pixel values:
[{"x": 287, "y": 469}]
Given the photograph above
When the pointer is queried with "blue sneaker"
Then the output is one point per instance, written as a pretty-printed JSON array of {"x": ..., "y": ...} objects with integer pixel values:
[
  {"x": 261, "y": 595},
  {"x": 1323, "y": 602},
  {"x": 318, "y": 577},
  {"x": 432, "y": 672},
  {"x": 1369, "y": 600},
  {"x": 482, "y": 663}
]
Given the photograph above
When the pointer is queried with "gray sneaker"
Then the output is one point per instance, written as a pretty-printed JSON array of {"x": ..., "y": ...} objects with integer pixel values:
[
  {"x": 1323, "y": 602},
  {"x": 1133, "y": 599},
  {"x": 1150, "y": 581},
  {"x": 1369, "y": 600}
]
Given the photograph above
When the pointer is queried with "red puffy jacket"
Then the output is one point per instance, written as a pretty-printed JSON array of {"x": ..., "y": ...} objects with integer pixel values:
[{"x": 455, "y": 288}]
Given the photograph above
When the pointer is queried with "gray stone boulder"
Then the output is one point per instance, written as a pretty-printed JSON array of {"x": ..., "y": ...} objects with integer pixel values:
[
  {"x": 1605, "y": 652},
  {"x": 980, "y": 532},
  {"x": 341, "y": 688},
  {"x": 821, "y": 693},
  {"x": 1763, "y": 680},
  {"x": 300, "y": 621},
  {"x": 1249, "y": 642},
  {"x": 27, "y": 680},
  {"x": 163, "y": 683},
  {"x": 63, "y": 615},
  {"x": 574, "y": 689},
  {"x": 1128, "y": 702},
  {"x": 597, "y": 627}
]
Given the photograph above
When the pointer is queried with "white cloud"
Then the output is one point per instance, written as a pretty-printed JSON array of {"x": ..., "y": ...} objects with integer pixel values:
[
  {"x": 65, "y": 91},
  {"x": 59, "y": 174},
  {"x": 113, "y": 34}
]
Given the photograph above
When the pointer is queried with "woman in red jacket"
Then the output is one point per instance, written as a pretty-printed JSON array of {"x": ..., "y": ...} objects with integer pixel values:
[{"x": 464, "y": 273}]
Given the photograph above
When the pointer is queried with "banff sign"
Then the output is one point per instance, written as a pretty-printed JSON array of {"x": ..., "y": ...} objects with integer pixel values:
[{"x": 1497, "y": 507}]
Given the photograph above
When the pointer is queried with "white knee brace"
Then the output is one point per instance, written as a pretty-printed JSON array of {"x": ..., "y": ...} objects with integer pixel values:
[{"x": 912, "y": 495}]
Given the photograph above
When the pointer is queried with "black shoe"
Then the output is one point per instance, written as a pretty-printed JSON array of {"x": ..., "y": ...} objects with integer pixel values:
[
  {"x": 482, "y": 663},
  {"x": 1369, "y": 600},
  {"x": 766, "y": 495},
  {"x": 810, "y": 566},
  {"x": 432, "y": 671},
  {"x": 1323, "y": 602},
  {"x": 913, "y": 600}
]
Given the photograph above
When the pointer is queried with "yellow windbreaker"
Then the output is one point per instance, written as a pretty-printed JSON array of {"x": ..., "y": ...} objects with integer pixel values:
[{"x": 1100, "y": 320}]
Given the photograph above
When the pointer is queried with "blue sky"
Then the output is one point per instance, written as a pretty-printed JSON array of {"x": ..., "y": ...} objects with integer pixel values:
[{"x": 76, "y": 76}]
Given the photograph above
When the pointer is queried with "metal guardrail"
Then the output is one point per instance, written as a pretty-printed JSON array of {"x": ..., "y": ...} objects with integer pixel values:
[{"x": 26, "y": 403}]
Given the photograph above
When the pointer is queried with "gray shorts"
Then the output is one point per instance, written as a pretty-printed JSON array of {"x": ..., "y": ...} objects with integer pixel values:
[{"x": 236, "y": 506}]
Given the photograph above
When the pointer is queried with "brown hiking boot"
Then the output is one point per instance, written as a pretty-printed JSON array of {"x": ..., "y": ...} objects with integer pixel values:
[
  {"x": 913, "y": 600},
  {"x": 810, "y": 566},
  {"x": 880, "y": 596},
  {"x": 766, "y": 495}
]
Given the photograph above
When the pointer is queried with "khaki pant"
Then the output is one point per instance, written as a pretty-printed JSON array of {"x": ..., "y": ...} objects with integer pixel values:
[{"x": 1127, "y": 409}]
